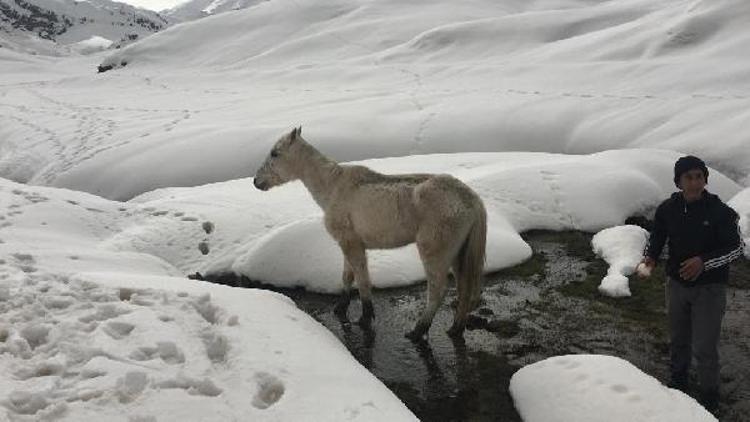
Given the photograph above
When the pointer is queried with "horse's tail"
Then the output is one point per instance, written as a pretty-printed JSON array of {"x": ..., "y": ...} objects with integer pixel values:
[{"x": 470, "y": 262}]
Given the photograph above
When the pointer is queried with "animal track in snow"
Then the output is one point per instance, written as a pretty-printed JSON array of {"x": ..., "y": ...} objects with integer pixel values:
[
  {"x": 206, "y": 309},
  {"x": 118, "y": 329},
  {"x": 129, "y": 387},
  {"x": 170, "y": 353},
  {"x": 193, "y": 386},
  {"x": 270, "y": 390},
  {"x": 618, "y": 388},
  {"x": 105, "y": 312},
  {"x": 204, "y": 248},
  {"x": 72, "y": 335},
  {"x": 217, "y": 346},
  {"x": 35, "y": 335}
]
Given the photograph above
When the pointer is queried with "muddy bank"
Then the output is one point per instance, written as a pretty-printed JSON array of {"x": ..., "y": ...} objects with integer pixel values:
[{"x": 544, "y": 307}]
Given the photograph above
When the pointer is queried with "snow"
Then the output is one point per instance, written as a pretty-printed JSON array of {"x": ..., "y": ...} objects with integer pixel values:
[
  {"x": 114, "y": 186},
  {"x": 374, "y": 79},
  {"x": 584, "y": 388},
  {"x": 622, "y": 247},
  {"x": 741, "y": 204},
  {"x": 89, "y": 333},
  {"x": 70, "y": 21},
  {"x": 92, "y": 45}
]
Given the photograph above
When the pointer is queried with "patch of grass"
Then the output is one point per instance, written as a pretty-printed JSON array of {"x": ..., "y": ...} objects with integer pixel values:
[
  {"x": 577, "y": 244},
  {"x": 645, "y": 307},
  {"x": 533, "y": 266}
]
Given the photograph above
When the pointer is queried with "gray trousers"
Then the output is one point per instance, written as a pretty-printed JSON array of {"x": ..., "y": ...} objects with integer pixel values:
[{"x": 695, "y": 314}]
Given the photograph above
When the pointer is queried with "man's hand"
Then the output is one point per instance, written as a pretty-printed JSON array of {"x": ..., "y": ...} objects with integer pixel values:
[
  {"x": 691, "y": 268},
  {"x": 645, "y": 267}
]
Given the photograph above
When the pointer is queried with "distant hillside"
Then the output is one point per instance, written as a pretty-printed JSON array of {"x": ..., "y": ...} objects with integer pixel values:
[
  {"x": 196, "y": 9},
  {"x": 69, "y": 21}
]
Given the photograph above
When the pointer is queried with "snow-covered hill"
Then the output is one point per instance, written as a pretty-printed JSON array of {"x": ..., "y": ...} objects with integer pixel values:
[
  {"x": 195, "y": 9},
  {"x": 71, "y": 21},
  {"x": 381, "y": 78}
]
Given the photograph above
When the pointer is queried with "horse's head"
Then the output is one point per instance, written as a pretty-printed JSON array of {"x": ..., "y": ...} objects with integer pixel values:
[{"x": 279, "y": 166}]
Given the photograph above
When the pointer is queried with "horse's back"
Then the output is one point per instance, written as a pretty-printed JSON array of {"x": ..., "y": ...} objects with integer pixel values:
[
  {"x": 388, "y": 210},
  {"x": 445, "y": 194},
  {"x": 380, "y": 207}
]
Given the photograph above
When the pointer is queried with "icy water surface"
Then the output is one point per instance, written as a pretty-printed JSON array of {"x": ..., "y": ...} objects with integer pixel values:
[{"x": 545, "y": 307}]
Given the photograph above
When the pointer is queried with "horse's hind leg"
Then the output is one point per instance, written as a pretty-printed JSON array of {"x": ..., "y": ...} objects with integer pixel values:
[
  {"x": 464, "y": 303},
  {"x": 347, "y": 278},
  {"x": 437, "y": 283}
]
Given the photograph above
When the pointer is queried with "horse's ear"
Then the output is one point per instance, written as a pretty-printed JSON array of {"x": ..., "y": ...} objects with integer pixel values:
[{"x": 296, "y": 132}]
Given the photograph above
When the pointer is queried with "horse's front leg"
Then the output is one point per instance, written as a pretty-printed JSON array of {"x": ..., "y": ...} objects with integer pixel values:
[
  {"x": 347, "y": 278},
  {"x": 355, "y": 255}
]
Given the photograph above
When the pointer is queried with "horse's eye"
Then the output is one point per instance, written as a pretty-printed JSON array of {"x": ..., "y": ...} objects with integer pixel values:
[{"x": 274, "y": 153}]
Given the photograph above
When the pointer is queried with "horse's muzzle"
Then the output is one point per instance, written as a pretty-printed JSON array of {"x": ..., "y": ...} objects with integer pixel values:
[{"x": 260, "y": 184}]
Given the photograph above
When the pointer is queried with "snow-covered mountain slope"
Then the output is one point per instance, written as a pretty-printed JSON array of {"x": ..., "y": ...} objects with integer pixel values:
[
  {"x": 381, "y": 78},
  {"x": 195, "y": 9},
  {"x": 28, "y": 44},
  {"x": 72, "y": 21}
]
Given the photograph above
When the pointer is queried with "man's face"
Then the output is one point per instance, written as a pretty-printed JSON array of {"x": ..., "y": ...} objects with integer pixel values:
[{"x": 692, "y": 183}]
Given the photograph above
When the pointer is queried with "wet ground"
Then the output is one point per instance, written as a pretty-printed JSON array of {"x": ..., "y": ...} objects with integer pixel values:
[{"x": 544, "y": 307}]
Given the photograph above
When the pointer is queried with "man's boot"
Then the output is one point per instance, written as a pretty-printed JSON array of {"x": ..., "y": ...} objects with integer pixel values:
[
  {"x": 679, "y": 382},
  {"x": 710, "y": 400}
]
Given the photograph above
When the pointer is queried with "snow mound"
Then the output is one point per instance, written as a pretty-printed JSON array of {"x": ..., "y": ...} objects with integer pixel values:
[
  {"x": 622, "y": 248},
  {"x": 741, "y": 204},
  {"x": 584, "y": 388},
  {"x": 92, "y": 45},
  {"x": 175, "y": 347}
]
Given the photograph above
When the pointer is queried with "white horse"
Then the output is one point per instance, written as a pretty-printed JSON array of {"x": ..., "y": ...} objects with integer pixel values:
[{"x": 368, "y": 210}]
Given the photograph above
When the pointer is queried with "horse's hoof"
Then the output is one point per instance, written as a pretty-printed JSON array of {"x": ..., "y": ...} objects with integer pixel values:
[
  {"x": 417, "y": 334},
  {"x": 341, "y": 316},
  {"x": 456, "y": 332},
  {"x": 368, "y": 312},
  {"x": 364, "y": 322},
  {"x": 340, "y": 310},
  {"x": 414, "y": 336}
]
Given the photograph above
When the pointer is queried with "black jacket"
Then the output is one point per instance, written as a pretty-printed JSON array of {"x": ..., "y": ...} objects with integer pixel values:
[{"x": 706, "y": 228}]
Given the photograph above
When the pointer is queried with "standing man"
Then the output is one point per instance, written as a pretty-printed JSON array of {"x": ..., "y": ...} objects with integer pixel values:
[{"x": 703, "y": 238}]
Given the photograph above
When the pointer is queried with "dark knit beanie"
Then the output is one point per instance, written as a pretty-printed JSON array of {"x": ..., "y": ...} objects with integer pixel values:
[{"x": 687, "y": 163}]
